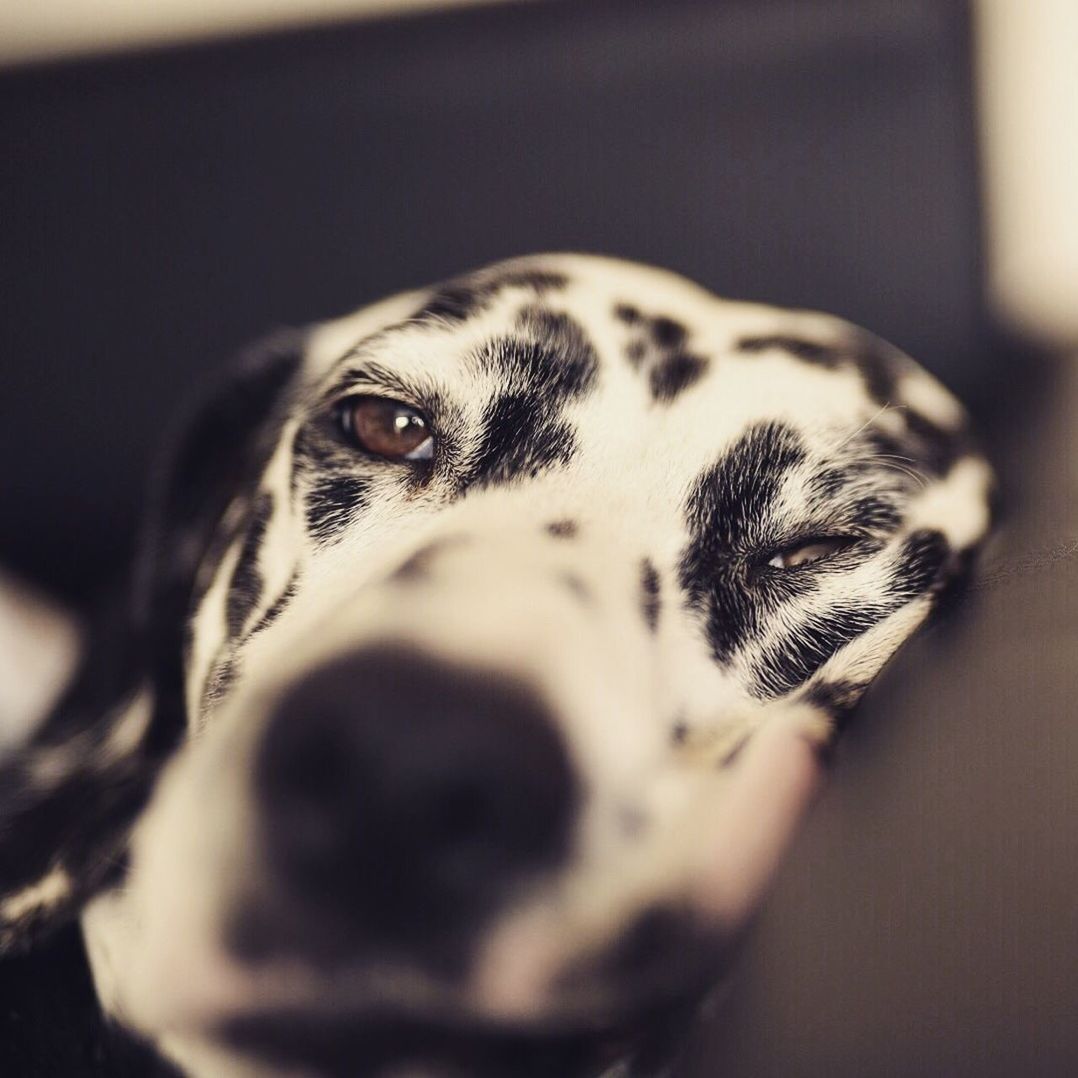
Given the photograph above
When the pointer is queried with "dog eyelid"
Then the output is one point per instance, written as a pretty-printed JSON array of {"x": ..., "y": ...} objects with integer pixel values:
[{"x": 809, "y": 552}]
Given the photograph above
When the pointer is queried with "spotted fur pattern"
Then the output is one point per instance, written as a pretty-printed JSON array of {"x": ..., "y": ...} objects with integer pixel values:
[{"x": 620, "y": 460}]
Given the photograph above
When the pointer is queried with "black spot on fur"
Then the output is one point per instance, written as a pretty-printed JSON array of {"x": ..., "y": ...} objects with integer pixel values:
[
  {"x": 555, "y": 356},
  {"x": 664, "y": 332},
  {"x": 451, "y": 303},
  {"x": 920, "y": 564},
  {"x": 887, "y": 449},
  {"x": 811, "y": 351},
  {"x": 861, "y": 497},
  {"x": 667, "y": 333},
  {"x": 226, "y": 534},
  {"x": 728, "y": 517},
  {"x": 245, "y": 588},
  {"x": 826, "y": 485},
  {"x": 661, "y": 353},
  {"x": 332, "y": 503},
  {"x": 799, "y": 653},
  {"x": 675, "y": 373},
  {"x": 650, "y": 601},
  {"x": 875, "y": 360},
  {"x": 923, "y": 448},
  {"x": 523, "y": 433},
  {"x": 460, "y": 299},
  {"x": 519, "y": 440},
  {"x": 562, "y": 529},
  {"x": 539, "y": 281},
  {"x": 279, "y": 605},
  {"x": 561, "y": 356},
  {"x": 873, "y": 513},
  {"x": 933, "y": 448},
  {"x": 877, "y": 365}
]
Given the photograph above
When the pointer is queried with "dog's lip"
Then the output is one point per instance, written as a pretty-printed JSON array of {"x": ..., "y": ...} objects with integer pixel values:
[
  {"x": 613, "y": 1017},
  {"x": 302, "y": 1036},
  {"x": 577, "y": 1004}
]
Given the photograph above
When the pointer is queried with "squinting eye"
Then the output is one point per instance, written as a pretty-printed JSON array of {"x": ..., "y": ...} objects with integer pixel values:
[
  {"x": 386, "y": 428},
  {"x": 807, "y": 553}
]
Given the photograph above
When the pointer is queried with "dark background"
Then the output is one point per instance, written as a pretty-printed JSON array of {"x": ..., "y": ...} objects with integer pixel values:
[{"x": 159, "y": 210}]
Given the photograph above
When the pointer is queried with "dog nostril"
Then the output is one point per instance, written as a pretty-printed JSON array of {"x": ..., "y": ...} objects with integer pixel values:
[{"x": 390, "y": 785}]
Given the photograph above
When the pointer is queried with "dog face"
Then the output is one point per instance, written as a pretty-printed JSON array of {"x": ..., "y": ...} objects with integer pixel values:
[{"x": 473, "y": 600}]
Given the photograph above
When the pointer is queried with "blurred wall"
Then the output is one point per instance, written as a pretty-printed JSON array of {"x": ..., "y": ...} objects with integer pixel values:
[
  {"x": 55, "y": 29},
  {"x": 1027, "y": 61},
  {"x": 1028, "y": 80}
]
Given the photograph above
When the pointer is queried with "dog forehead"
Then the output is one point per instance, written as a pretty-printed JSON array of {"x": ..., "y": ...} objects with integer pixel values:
[
  {"x": 681, "y": 373},
  {"x": 624, "y": 306}
]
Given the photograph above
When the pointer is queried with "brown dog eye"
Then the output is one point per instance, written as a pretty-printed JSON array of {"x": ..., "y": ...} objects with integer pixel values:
[
  {"x": 386, "y": 428},
  {"x": 807, "y": 553}
]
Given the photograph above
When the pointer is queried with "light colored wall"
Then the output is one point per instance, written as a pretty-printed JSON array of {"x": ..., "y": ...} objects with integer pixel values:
[
  {"x": 32, "y": 30},
  {"x": 1028, "y": 87}
]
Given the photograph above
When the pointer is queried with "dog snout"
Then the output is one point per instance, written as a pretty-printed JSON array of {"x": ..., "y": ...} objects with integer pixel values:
[{"x": 405, "y": 798}]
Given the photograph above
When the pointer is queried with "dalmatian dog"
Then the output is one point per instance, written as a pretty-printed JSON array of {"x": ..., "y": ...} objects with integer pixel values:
[{"x": 456, "y": 620}]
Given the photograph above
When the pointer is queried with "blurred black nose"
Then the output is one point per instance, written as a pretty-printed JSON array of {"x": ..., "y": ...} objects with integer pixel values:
[{"x": 407, "y": 797}]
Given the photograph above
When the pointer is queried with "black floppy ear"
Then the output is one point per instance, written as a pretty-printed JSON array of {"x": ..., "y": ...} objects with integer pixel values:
[{"x": 69, "y": 795}]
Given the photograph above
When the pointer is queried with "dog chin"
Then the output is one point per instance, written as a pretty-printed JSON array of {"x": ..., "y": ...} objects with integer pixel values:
[
  {"x": 215, "y": 1017},
  {"x": 583, "y": 1019}
]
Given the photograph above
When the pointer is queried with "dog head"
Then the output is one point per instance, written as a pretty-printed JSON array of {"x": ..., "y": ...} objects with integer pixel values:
[{"x": 456, "y": 620}]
